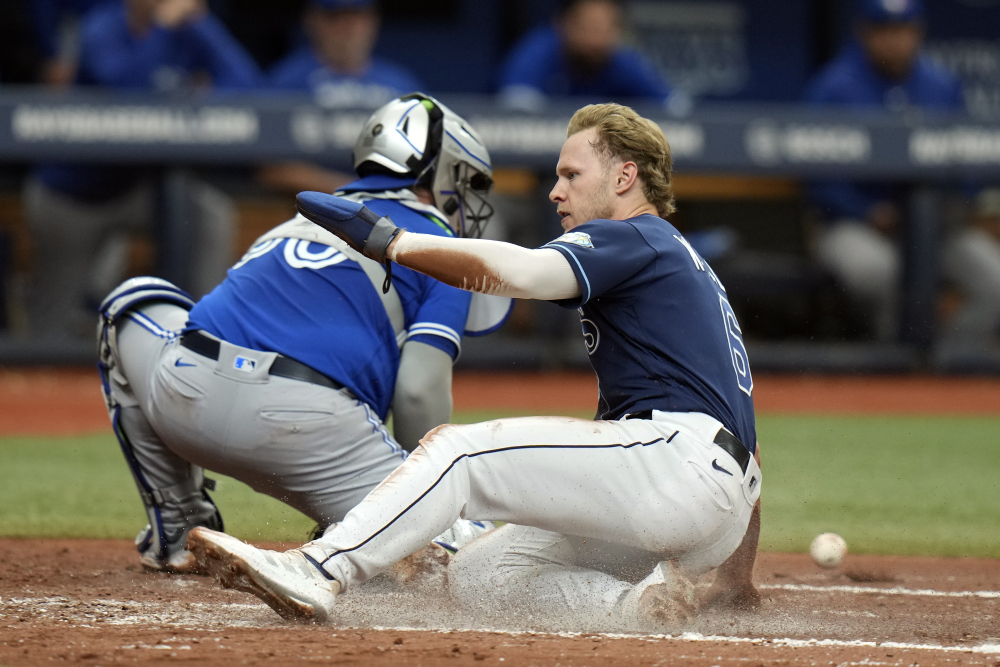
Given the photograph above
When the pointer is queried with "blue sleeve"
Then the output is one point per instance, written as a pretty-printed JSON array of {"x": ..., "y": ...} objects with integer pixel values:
[
  {"x": 109, "y": 58},
  {"x": 603, "y": 254},
  {"x": 822, "y": 90},
  {"x": 840, "y": 199},
  {"x": 441, "y": 317},
  {"x": 229, "y": 64},
  {"x": 530, "y": 60},
  {"x": 639, "y": 76},
  {"x": 291, "y": 72}
]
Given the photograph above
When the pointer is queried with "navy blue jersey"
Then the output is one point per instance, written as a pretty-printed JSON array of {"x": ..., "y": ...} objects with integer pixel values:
[
  {"x": 657, "y": 323},
  {"x": 310, "y": 302}
]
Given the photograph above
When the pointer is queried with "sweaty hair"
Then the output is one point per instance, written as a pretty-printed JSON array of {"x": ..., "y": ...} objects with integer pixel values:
[{"x": 624, "y": 135}]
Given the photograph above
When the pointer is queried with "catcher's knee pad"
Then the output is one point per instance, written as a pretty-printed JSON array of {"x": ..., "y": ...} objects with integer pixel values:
[
  {"x": 174, "y": 509},
  {"x": 126, "y": 297}
]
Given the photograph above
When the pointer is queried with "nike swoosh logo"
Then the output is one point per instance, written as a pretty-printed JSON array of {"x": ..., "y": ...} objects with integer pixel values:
[
  {"x": 181, "y": 363},
  {"x": 715, "y": 464}
]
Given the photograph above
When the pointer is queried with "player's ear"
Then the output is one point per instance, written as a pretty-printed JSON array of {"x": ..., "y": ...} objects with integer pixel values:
[{"x": 628, "y": 174}]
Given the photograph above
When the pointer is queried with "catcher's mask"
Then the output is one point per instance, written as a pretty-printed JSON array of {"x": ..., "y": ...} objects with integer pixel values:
[{"x": 418, "y": 137}]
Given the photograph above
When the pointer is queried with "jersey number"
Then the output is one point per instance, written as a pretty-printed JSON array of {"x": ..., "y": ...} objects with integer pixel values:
[{"x": 736, "y": 347}]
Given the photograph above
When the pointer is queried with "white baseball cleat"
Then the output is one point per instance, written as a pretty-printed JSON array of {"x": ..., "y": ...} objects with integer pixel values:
[{"x": 288, "y": 582}]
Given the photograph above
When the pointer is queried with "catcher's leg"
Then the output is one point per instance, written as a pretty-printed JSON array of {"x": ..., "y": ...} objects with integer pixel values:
[{"x": 172, "y": 490}]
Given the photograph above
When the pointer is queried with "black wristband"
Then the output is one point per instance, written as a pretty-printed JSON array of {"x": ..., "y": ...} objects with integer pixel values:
[{"x": 383, "y": 232}]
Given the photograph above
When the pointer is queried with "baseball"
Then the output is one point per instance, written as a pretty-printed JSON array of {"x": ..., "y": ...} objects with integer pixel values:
[{"x": 828, "y": 550}]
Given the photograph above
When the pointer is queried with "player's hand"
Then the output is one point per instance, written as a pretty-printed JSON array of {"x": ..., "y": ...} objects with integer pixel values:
[
  {"x": 724, "y": 597},
  {"x": 362, "y": 229},
  {"x": 171, "y": 14}
]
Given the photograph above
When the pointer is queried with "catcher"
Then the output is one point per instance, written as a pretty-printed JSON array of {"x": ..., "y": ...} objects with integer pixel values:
[{"x": 284, "y": 375}]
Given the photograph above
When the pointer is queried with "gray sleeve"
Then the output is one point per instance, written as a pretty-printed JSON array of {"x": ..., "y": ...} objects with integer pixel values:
[{"x": 422, "y": 399}]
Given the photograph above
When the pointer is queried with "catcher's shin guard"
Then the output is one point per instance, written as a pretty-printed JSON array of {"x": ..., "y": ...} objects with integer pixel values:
[
  {"x": 173, "y": 491},
  {"x": 172, "y": 510}
]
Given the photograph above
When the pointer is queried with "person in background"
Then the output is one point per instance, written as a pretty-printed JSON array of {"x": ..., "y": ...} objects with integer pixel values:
[
  {"x": 882, "y": 68},
  {"x": 579, "y": 54},
  {"x": 972, "y": 264},
  {"x": 56, "y": 25},
  {"x": 337, "y": 67},
  {"x": 80, "y": 215}
]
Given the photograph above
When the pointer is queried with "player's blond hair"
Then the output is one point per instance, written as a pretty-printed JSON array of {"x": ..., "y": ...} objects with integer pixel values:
[{"x": 624, "y": 135}]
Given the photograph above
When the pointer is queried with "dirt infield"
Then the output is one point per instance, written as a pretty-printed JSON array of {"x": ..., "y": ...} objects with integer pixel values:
[
  {"x": 68, "y": 402},
  {"x": 88, "y": 602}
]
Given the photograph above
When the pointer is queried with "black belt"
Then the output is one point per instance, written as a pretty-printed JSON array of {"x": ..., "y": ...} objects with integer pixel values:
[
  {"x": 723, "y": 438},
  {"x": 284, "y": 367}
]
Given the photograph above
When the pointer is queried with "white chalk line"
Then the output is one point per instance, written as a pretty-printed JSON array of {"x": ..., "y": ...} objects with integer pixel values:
[
  {"x": 896, "y": 590},
  {"x": 989, "y": 647},
  {"x": 786, "y": 642}
]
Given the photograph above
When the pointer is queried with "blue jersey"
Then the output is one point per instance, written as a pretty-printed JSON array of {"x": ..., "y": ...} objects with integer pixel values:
[
  {"x": 309, "y": 302},
  {"x": 657, "y": 323},
  {"x": 112, "y": 56},
  {"x": 379, "y": 83},
  {"x": 850, "y": 80},
  {"x": 537, "y": 62}
]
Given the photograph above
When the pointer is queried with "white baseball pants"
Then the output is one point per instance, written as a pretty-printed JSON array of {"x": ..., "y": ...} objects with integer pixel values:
[{"x": 645, "y": 490}]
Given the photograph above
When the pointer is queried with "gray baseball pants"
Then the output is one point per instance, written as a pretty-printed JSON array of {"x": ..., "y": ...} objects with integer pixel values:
[{"x": 317, "y": 449}]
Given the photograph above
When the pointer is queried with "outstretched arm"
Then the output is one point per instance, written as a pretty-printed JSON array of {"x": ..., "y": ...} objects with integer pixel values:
[{"x": 490, "y": 267}]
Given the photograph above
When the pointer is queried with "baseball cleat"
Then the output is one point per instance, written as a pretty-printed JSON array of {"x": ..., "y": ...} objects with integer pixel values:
[
  {"x": 288, "y": 582},
  {"x": 179, "y": 560},
  {"x": 668, "y": 596}
]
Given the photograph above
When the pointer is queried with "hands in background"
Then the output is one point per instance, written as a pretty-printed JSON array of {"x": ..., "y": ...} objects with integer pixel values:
[{"x": 172, "y": 14}]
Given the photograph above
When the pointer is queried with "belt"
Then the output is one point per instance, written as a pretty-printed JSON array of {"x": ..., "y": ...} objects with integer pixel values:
[
  {"x": 723, "y": 438},
  {"x": 284, "y": 367}
]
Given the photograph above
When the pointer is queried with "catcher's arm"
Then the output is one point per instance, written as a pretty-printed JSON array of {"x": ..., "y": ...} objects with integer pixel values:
[{"x": 422, "y": 399}]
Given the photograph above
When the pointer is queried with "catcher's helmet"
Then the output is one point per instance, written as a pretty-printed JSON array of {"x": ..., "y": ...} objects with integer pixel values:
[{"x": 415, "y": 136}]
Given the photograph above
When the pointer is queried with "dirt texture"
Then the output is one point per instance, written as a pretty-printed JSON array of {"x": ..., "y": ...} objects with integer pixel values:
[{"x": 89, "y": 602}]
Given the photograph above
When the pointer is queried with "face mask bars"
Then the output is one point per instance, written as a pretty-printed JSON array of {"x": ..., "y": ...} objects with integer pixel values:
[{"x": 471, "y": 188}]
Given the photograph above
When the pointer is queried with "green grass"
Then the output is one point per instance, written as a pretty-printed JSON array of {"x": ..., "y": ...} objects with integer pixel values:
[{"x": 903, "y": 485}]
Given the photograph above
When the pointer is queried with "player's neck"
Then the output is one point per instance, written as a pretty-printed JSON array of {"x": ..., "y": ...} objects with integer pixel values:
[{"x": 626, "y": 209}]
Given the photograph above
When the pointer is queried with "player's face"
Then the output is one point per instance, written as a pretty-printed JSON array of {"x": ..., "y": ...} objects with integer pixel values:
[
  {"x": 893, "y": 47},
  {"x": 585, "y": 189},
  {"x": 591, "y": 31},
  {"x": 345, "y": 37}
]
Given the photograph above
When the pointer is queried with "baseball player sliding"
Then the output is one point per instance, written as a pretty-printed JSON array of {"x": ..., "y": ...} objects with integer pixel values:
[
  {"x": 667, "y": 478},
  {"x": 283, "y": 376}
]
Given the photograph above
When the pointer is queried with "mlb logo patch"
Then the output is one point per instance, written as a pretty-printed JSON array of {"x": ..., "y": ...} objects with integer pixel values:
[
  {"x": 577, "y": 238},
  {"x": 244, "y": 364}
]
